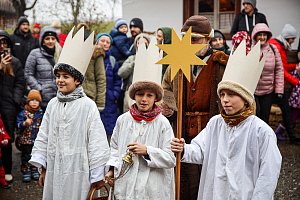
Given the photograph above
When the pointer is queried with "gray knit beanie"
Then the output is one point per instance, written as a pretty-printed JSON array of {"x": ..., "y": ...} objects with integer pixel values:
[
  {"x": 252, "y": 2},
  {"x": 288, "y": 31}
]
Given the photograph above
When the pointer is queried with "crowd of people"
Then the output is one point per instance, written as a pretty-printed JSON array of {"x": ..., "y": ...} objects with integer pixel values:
[{"x": 74, "y": 120}]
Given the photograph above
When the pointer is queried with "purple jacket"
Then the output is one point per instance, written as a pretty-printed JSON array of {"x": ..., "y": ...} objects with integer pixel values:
[{"x": 272, "y": 78}]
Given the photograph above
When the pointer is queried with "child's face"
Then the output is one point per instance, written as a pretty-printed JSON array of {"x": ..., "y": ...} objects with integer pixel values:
[
  {"x": 231, "y": 102},
  {"x": 65, "y": 82},
  {"x": 123, "y": 29},
  {"x": 104, "y": 42},
  {"x": 34, "y": 103},
  {"x": 145, "y": 100}
]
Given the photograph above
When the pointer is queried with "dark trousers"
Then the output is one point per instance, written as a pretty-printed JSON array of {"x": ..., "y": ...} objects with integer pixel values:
[
  {"x": 286, "y": 111},
  {"x": 295, "y": 114},
  {"x": 7, "y": 157},
  {"x": 263, "y": 106},
  {"x": 26, "y": 153},
  {"x": 120, "y": 102},
  {"x": 189, "y": 181}
]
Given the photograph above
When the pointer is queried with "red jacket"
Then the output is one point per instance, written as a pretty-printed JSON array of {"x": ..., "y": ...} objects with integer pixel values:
[
  {"x": 287, "y": 67},
  {"x": 3, "y": 134}
]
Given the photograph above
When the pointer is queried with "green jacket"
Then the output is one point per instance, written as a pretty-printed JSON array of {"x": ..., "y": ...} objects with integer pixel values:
[{"x": 94, "y": 84}]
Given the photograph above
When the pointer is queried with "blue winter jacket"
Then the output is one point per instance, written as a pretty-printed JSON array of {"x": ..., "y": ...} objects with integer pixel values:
[
  {"x": 120, "y": 47},
  {"x": 113, "y": 87}
]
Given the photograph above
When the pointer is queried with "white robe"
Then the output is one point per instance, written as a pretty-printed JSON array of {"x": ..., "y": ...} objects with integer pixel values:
[
  {"x": 72, "y": 145},
  {"x": 239, "y": 163},
  {"x": 146, "y": 179}
]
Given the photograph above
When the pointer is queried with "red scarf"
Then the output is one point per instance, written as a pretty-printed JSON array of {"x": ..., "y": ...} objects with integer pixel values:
[{"x": 147, "y": 116}]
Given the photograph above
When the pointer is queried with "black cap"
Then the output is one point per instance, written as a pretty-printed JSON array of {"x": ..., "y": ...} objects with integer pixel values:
[
  {"x": 6, "y": 36},
  {"x": 137, "y": 22},
  {"x": 21, "y": 20}
]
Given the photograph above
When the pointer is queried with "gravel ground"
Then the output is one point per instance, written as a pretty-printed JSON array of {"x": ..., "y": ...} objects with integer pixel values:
[{"x": 288, "y": 185}]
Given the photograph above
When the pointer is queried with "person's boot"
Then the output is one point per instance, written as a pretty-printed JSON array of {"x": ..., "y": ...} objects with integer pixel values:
[
  {"x": 25, "y": 168},
  {"x": 34, "y": 173},
  {"x": 3, "y": 182},
  {"x": 293, "y": 139},
  {"x": 279, "y": 133}
]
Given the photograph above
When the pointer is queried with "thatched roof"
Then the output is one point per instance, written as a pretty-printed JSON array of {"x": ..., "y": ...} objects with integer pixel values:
[{"x": 6, "y": 8}]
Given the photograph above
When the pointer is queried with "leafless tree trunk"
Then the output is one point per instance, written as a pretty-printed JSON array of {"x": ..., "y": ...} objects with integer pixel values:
[
  {"x": 21, "y": 6},
  {"x": 76, "y": 5}
]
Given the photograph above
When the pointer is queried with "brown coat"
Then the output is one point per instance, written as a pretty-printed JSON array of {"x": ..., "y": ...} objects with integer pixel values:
[{"x": 200, "y": 99}]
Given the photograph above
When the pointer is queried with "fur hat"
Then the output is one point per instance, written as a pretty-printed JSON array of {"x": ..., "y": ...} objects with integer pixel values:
[
  {"x": 56, "y": 24},
  {"x": 200, "y": 26},
  {"x": 120, "y": 22},
  {"x": 21, "y": 20},
  {"x": 252, "y": 2},
  {"x": 34, "y": 94},
  {"x": 146, "y": 85},
  {"x": 288, "y": 31},
  {"x": 137, "y": 22},
  {"x": 237, "y": 88}
]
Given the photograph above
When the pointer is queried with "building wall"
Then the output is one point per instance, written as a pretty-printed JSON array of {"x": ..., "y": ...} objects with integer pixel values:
[
  {"x": 155, "y": 13},
  {"x": 280, "y": 12}
]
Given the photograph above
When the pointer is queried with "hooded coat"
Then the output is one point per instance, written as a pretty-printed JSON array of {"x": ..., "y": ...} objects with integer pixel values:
[
  {"x": 39, "y": 70},
  {"x": 239, "y": 23},
  {"x": 271, "y": 78},
  {"x": 23, "y": 43}
]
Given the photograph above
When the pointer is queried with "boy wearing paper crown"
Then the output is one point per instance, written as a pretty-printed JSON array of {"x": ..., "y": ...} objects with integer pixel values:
[
  {"x": 28, "y": 124},
  {"x": 144, "y": 133},
  {"x": 71, "y": 148},
  {"x": 238, "y": 151}
]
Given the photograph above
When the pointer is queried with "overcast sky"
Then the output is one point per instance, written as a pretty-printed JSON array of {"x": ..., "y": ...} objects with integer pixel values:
[{"x": 46, "y": 11}]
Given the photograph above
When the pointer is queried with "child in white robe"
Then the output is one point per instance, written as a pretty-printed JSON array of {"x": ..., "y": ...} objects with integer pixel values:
[{"x": 147, "y": 134}]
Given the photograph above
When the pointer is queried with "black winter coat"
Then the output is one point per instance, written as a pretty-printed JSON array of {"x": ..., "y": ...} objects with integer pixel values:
[
  {"x": 11, "y": 92},
  {"x": 239, "y": 23},
  {"x": 22, "y": 45}
]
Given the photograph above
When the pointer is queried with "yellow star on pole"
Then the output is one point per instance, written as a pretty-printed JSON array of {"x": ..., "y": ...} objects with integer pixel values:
[{"x": 181, "y": 54}]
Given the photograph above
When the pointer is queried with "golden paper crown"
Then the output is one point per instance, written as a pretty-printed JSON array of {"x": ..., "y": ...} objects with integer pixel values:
[
  {"x": 243, "y": 69},
  {"x": 145, "y": 67},
  {"x": 77, "y": 52}
]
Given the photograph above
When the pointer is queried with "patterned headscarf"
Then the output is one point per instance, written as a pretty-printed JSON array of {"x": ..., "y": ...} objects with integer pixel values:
[{"x": 238, "y": 38}]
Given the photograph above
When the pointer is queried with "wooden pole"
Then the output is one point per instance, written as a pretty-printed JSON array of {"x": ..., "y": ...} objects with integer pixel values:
[{"x": 179, "y": 131}]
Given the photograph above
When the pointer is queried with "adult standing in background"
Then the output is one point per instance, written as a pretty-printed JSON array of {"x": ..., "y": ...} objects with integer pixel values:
[
  {"x": 246, "y": 20},
  {"x": 271, "y": 80},
  {"x": 12, "y": 86},
  {"x": 113, "y": 85},
  {"x": 283, "y": 43},
  {"x": 39, "y": 66},
  {"x": 94, "y": 84},
  {"x": 218, "y": 42},
  {"x": 56, "y": 24},
  {"x": 164, "y": 36},
  {"x": 136, "y": 27},
  {"x": 23, "y": 41}
]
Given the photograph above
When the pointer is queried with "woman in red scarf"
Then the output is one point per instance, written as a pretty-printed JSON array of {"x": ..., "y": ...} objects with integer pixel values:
[{"x": 146, "y": 134}]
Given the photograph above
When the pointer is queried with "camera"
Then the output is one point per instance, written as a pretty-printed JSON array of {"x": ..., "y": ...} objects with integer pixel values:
[{"x": 6, "y": 51}]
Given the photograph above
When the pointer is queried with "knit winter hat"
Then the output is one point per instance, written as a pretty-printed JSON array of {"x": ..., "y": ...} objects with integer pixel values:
[
  {"x": 146, "y": 85},
  {"x": 34, "y": 95},
  {"x": 137, "y": 22},
  {"x": 239, "y": 37},
  {"x": 56, "y": 24},
  {"x": 200, "y": 26},
  {"x": 69, "y": 69},
  {"x": 252, "y": 2},
  {"x": 37, "y": 25},
  {"x": 48, "y": 31},
  {"x": 120, "y": 22},
  {"x": 106, "y": 34},
  {"x": 288, "y": 31},
  {"x": 21, "y": 20},
  {"x": 5, "y": 36},
  {"x": 237, "y": 88}
]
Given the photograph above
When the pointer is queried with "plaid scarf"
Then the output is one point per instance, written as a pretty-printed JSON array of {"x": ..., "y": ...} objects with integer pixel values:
[
  {"x": 233, "y": 120},
  {"x": 147, "y": 116}
]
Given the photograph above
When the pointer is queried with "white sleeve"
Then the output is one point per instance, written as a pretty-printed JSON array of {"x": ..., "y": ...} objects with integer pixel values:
[{"x": 193, "y": 153}]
